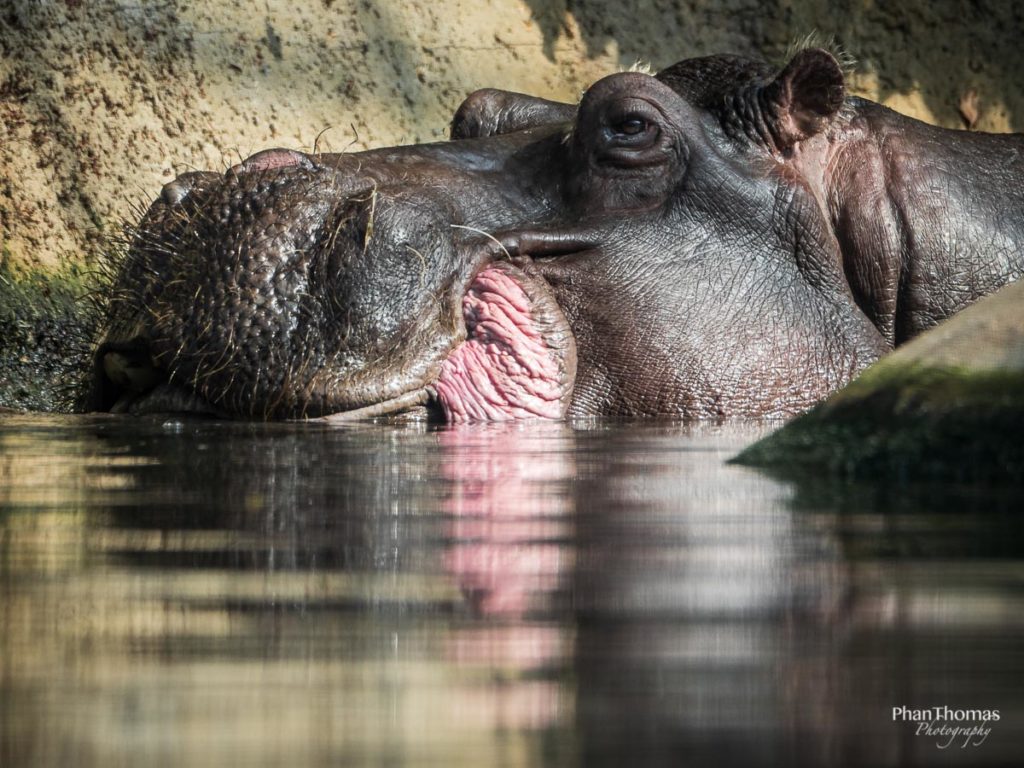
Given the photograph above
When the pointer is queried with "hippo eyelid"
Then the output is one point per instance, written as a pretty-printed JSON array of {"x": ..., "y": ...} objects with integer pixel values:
[{"x": 634, "y": 132}]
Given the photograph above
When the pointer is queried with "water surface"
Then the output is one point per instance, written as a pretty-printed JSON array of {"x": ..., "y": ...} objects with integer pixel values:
[{"x": 193, "y": 593}]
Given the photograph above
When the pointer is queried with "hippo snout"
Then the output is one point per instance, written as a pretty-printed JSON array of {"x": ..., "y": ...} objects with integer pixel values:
[{"x": 289, "y": 288}]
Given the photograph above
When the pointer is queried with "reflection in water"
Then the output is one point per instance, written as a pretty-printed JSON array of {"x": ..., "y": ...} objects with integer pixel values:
[
  {"x": 510, "y": 514},
  {"x": 199, "y": 593}
]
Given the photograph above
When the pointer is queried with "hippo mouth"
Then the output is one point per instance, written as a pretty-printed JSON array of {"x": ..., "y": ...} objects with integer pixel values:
[
  {"x": 516, "y": 359},
  {"x": 519, "y": 358},
  {"x": 513, "y": 358}
]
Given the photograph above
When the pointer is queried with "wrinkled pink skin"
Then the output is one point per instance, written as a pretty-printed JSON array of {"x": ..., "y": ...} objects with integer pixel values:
[{"x": 504, "y": 370}]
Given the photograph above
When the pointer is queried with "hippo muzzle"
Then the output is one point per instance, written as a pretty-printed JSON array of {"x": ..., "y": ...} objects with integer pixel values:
[{"x": 291, "y": 288}]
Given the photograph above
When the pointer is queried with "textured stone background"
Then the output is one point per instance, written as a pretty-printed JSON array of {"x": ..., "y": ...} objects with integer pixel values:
[{"x": 102, "y": 101}]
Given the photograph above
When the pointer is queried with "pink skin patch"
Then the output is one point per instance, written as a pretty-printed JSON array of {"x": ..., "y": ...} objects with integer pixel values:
[{"x": 505, "y": 369}]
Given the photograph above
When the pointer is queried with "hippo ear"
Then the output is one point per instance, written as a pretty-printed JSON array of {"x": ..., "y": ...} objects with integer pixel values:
[{"x": 805, "y": 96}]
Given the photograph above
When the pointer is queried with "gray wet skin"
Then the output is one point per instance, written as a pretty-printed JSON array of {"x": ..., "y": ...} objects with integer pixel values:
[{"x": 723, "y": 239}]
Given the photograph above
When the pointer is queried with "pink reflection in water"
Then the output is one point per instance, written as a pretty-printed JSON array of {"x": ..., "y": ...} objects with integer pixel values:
[
  {"x": 510, "y": 510},
  {"x": 510, "y": 520}
]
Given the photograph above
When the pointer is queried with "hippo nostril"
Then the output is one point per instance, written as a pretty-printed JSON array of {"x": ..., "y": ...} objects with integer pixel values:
[{"x": 131, "y": 371}]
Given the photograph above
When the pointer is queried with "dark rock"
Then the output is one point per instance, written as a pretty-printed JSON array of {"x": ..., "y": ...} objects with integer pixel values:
[{"x": 947, "y": 406}]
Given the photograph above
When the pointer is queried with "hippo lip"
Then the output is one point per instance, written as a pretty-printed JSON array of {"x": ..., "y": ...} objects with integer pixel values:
[
  {"x": 516, "y": 359},
  {"x": 411, "y": 399}
]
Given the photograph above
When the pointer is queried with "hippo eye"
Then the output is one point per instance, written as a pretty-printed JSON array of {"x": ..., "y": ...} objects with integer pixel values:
[
  {"x": 632, "y": 131},
  {"x": 631, "y": 126},
  {"x": 628, "y": 134}
]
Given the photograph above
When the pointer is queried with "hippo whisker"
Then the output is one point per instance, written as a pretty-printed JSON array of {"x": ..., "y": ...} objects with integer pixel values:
[
  {"x": 488, "y": 235},
  {"x": 316, "y": 141}
]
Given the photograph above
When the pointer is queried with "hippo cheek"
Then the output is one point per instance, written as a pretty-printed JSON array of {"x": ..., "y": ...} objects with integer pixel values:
[
  {"x": 508, "y": 354},
  {"x": 478, "y": 337}
]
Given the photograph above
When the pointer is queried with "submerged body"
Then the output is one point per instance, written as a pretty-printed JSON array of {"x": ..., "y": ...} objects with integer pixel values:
[{"x": 719, "y": 240}]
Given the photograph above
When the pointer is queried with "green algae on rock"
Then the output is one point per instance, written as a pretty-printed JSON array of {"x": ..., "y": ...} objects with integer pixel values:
[{"x": 948, "y": 405}]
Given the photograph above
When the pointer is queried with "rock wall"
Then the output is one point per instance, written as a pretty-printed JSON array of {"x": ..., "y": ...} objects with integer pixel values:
[{"x": 102, "y": 101}]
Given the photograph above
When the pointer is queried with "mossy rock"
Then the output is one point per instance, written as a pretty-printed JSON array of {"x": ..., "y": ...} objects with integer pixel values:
[
  {"x": 46, "y": 329},
  {"x": 947, "y": 406}
]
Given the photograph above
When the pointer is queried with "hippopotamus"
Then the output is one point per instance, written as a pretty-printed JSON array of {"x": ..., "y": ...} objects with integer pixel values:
[{"x": 721, "y": 239}]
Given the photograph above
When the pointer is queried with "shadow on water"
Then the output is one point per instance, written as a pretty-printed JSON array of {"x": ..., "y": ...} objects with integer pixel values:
[{"x": 202, "y": 593}]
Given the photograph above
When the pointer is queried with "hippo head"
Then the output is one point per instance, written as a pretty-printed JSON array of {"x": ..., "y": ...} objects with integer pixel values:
[{"x": 664, "y": 247}]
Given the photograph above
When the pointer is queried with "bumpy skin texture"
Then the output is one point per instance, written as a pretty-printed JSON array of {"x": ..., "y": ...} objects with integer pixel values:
[{"x": 722, "y": 240}]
